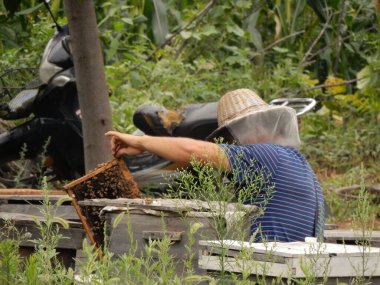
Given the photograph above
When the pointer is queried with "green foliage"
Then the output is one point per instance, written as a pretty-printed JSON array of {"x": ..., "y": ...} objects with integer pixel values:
[
  {"x": 41, "y": 267},
  {"x": 330, "y": 144},
  {"x": 345, "y": 210},
  {"x": 279, "y": 48},
  {"x": 9, "y": 261},
  {"x": 24, "y": 31}
]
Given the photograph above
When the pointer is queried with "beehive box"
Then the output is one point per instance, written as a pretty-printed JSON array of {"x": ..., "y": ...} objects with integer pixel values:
[
  {"x": 352, "y": 237},
  {"x": 23, "y": 207},
  {"x": 154, "y": 219},
  {"x": 111, "y": 180},
  {"x": 336, "y": 262}
]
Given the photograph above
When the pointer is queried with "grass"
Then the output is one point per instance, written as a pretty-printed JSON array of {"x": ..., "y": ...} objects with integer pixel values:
[
  {"x": 334, "y": 164},
  {"x": 155, "y": 264},
  {"x": 341, "y": 208}
]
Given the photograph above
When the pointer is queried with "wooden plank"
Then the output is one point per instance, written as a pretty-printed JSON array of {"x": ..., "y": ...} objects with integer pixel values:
[
  {"x": 26, "y": 198},
  {"x": 352, "y": 237},
  {"x": 125, "y": 173},
  {"x": 65, "y": 255},
  {"x": 171, "y": 205},
  {"x": 334, "y": 267},
  {"x": 91, "y": 174},
  {"x": 83, "y": 220},
  {"x": 66, "y": 212},
  {"x": 248, "y": 266},
  {"x": 295, "y": 249},
  {"x": 209, "y": 250},
  {"x": 160, "y": 235},
  {"x": 29, "y": 192},
  {"x": 351, "y": 234},
  {"x": 321, "y": 259},
  {"x": 119, "y": 237},
  {"x": 147, "y": 224},
  {"x": 71, "y": 237},
  {"x": 26, "y": 219},
  {"x": 338, "y": 266}
]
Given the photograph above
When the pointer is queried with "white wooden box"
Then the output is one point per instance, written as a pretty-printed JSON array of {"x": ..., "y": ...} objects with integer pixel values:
[{"x": 291, "y": 260}]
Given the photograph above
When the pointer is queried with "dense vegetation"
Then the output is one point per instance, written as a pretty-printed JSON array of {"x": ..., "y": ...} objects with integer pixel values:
[{"x": 176, "y": 52}]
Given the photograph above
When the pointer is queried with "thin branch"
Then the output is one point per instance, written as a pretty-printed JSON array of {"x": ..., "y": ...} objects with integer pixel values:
[
  {"x": 339, "y": 39},
  {"x": 195, "y": 19},
  {"x": 276, "y": 43},
  {"x": 198, "y": 16},
  {"x": 197, "y": 22},
  {"x": 325, "y": 26},
  {"x": 348, "y": 82},
  {"x": 328, "y": 46}
]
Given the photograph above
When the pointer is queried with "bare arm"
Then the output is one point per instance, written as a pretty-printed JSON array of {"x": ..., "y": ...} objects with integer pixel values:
[{"x": 180, "y": 150}]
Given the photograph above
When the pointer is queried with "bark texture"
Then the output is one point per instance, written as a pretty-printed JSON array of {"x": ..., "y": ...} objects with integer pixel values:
[{"x": 91, "y": 84}]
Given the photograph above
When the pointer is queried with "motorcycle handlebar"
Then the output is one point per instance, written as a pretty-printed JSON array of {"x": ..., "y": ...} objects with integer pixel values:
[{"x": 301, "y": 105}]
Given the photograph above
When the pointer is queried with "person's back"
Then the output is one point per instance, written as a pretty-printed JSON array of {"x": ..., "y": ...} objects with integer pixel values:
[
  {"x": 266, "y": 139},
  {"x": 294, "y": 189}
]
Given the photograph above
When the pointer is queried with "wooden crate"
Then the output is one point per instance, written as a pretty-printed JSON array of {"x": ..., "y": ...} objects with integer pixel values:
[
  {"x": 287, "y": 260},
  {"x": 352, "y": 237},
  {"x": 111, "y": 180},
  {"x": 154, "y": 219},
  {"x": 22, "y": 207}
]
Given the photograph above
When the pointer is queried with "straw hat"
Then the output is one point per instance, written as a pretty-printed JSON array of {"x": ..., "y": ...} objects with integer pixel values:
[{"x": 236, "y": 105}]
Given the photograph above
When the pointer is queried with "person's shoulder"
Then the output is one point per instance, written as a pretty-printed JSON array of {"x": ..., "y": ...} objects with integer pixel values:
[
  {"x": 291, "y": 151},
  {"x": 252, "y": 148}
]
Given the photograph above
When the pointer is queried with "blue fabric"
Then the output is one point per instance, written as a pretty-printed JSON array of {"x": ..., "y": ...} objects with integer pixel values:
[{"x": 284, "y": 174}]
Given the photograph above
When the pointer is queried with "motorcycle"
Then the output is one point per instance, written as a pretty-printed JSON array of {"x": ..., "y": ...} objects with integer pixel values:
[{"x": 53, "y": 128}]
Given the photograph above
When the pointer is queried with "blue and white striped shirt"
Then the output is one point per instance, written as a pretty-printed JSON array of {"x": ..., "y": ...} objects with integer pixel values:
[{"x": 290, "y": 211}]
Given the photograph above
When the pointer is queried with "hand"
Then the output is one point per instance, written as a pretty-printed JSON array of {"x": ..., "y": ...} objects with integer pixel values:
[{"x": 125, "y": 144}]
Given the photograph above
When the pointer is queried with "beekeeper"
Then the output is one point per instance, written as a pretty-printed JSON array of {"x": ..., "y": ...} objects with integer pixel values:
[{"x": 258, "y": 136}]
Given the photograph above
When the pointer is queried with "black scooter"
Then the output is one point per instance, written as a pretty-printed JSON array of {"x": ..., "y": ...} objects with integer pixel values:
[{"x": 54, "y": 117}]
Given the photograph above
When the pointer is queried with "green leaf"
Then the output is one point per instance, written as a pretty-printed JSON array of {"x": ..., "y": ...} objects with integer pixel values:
[
  {"x": 37, "y": 221},
  {"x": 7, "y": 33},
  {"x": 186, "y": 35},
  {"x": 63, "y": 200},
  {"x": 256, "y": 38},
  {"x": 110, "y": 14},
  {"x": 235, "y": 29},
  {"x": 159, "y": 22},
  {"x": 209, "y": 30},
  {"x": 195, "y": 227},
  {"x": 62, "y": 222},
  {"x": 29, "y": 10},
  {"x": 128, "y": 21},
  {"x": 364, "y": 77},
  {"x": 114, "y": 46},
  {"x": 255, "y": 34},
  {"x": 281, "y": 50},
  {"x": 118, "y": 219},
  {"x": 118, "y": 26},
  {"x": 139, "y": 19}
]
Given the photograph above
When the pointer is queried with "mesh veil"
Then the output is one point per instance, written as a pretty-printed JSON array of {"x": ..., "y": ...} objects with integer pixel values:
[{"x": 277, "y": 125}]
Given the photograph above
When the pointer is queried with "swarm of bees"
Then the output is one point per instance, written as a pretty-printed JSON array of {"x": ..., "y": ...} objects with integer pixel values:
[{"x": 110, "y": 180}]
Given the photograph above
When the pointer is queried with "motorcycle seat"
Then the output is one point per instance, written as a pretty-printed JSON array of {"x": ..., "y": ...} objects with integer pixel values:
[
  {"x": 194, "y": 120},
  {"x": 156, "y": 120},
  {"x": 199, "y": 121}
]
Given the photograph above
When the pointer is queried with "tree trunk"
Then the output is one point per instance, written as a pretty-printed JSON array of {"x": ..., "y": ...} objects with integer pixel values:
[{"x": 91, "y": 84}]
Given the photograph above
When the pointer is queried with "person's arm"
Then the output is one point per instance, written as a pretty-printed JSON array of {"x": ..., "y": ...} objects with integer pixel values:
[{"x": 175, "y": 149}]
